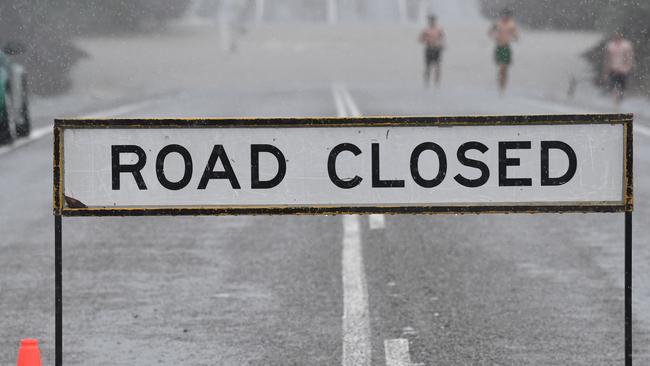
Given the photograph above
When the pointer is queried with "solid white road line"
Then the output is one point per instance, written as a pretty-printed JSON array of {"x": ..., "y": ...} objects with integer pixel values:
[
  {"x": 356, "y": 313},
  {"x": 349, "y": 102},
  {"x": 377, "y": 221},
  {"x": 332, "y": 11},
  {"x": 338, "y": 101},
  {"x": 397, "y": 352},
  {"x": 41, "y": 132}
]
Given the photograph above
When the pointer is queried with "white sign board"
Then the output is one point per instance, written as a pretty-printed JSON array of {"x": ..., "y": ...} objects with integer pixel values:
[{"x": 331, "y": 166}]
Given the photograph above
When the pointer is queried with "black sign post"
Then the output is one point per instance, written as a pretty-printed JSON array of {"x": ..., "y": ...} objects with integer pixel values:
[
  {"x": 58, "y": 290},
  {"x": 628, "y": 288}
]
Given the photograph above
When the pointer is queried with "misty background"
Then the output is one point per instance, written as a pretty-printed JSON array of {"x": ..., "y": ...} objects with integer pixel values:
[
  {"x": 48, "y": 28},
  {"x": 267, "y": 290}
]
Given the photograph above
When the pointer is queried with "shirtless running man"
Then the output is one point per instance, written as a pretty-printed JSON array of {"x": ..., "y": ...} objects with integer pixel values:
[
  {"x": 504, "y": 32},
  {"x": 619, "y": 61},
  {"x": 432, "y": 38}
]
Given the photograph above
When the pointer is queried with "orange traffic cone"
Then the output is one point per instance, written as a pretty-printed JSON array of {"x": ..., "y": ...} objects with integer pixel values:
[{"x": 28, "y": 354}]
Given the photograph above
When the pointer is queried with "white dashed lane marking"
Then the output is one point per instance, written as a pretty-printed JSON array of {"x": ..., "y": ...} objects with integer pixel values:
[
  {"x": 397, "y": 352},
  {"x": 377, "y": 221}
]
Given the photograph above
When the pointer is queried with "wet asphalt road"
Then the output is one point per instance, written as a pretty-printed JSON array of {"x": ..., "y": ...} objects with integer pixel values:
[{"x": 464, "y": 290}]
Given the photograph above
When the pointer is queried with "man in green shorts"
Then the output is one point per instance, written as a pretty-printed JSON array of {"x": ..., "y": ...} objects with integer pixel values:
[
  {"x": 504, "y": 32},
  {"x": 433, "y": 38}
]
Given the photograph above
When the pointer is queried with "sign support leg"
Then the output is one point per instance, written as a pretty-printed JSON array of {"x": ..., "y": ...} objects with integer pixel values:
[
  {"x": 58, "y": 290},
  {"x": 628, "y": 288}
]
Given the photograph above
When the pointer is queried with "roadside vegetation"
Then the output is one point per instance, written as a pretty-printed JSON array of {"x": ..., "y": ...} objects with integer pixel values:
[
  {"x": 46, "y": 29},
  {"x": 630, "y": 16}
]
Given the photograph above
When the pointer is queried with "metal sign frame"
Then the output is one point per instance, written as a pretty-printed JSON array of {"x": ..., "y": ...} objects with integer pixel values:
[
  {"x": 70, "y": 209},
  {"x": 65, "y": 206}
]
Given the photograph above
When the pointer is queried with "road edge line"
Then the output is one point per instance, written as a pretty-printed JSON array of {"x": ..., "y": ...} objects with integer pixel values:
[
  {"x": 42, "y": 132},
  {"x": 356, "y": 313}
]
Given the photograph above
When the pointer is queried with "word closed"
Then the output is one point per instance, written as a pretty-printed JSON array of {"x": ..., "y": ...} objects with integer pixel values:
[{"x": 219, "y": 156}]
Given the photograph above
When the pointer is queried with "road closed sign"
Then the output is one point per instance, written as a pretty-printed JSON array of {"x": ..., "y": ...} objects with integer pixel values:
[{"x": 335, "y": 165}]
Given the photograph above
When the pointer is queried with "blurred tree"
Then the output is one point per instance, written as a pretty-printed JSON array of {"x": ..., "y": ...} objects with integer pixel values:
[{"x": 46, "y": 27}]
